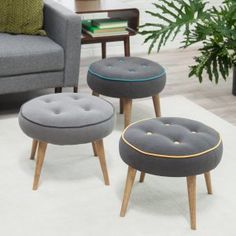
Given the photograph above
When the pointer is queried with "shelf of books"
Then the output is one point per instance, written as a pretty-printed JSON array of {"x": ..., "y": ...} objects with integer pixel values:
[{"x": 106, "y": 27}]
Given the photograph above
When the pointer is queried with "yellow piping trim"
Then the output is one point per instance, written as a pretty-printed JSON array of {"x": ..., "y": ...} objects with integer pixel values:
[{"x": 167, "y": 156}]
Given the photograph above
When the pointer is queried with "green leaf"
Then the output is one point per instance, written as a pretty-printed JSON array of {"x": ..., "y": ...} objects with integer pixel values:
[{"x": 196, "y": 21}]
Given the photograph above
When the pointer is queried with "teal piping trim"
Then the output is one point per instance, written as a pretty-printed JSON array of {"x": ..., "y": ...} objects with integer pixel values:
[{"x": 128, "y": 80}]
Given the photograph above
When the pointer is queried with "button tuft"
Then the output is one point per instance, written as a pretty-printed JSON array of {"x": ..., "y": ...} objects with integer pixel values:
[
  {"x": 149, "y": 133},
  {"x": 131, "y": 70},
  {"x": 57, "y": 112}
]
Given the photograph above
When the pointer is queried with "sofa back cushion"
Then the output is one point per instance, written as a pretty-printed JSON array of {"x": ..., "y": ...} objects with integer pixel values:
[{"x": 21, "y": 17}]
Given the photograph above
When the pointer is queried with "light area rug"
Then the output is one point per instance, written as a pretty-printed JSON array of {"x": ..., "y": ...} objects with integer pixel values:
[{"x": 73, "y": 200}]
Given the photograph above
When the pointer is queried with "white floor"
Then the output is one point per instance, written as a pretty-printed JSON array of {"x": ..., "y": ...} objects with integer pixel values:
[{"x": 72, "y": 199}]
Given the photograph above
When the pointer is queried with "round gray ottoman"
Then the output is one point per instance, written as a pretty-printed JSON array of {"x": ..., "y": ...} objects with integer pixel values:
[
  {"x": 66, "y": 119},
  {"x": 170, "y": 146},
  {"x": 127, "y": 78}
]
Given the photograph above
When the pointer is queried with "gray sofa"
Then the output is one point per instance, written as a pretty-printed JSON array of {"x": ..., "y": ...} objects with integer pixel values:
[{"x": 37, "y": 62}]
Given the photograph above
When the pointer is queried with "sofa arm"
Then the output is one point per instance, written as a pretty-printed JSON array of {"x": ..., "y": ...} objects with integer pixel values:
[{"x": 64, "y": 27}]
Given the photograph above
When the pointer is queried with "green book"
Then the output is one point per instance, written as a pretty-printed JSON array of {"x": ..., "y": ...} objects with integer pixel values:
[
  {"x": 87, "y": 24},
  {"x": 89, "y": 27},
  {"x": 110, "y": 23},
  {"x": 106, "y": 34}
]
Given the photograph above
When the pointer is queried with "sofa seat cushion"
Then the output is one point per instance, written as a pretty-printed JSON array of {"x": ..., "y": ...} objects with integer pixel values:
[{"x": 25, "y": 54}]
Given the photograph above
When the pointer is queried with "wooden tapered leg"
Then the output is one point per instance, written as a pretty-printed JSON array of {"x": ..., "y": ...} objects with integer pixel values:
[
  {"x": 95, "y": 94},
  {"x": 128, "y": 187},
  {"x": 207, "y": 176},
  {"x": 156, "y": 104},
  {"x": 58, "y": 89},
  {"x": 75, "y": 89},
  {"x": 191, "y": 183},
  {"x": 121, "y": 106},
  {"x": 94, "y": 149},
  {"x": 39, "y": 163},
  {"x": 102, "y": 160},
  {"x": 142, "y": 177},
  {"x": 33, "y": 149},
  {"x": 127, "y": 103}
]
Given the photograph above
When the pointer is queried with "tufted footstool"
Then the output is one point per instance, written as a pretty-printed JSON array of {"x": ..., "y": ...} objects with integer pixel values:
[
  {"x": 66, "y": 119},
  {"x": 174, "y": 147},
  {"x": 127, "y": 78}
]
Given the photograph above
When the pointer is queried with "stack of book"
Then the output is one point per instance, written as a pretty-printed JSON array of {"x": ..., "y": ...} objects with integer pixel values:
[{"x": 105, "y": 27}]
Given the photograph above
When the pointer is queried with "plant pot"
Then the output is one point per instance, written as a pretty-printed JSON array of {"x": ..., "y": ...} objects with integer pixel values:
[{"x": 234, "y": 81}]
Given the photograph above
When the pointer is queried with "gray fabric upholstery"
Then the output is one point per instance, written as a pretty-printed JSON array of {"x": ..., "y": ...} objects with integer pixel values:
[
  {"x": 67, "y": 118},
  {"x": 171, "y": 146},
  {"x": 21, "y": 83},
  {"x": 126, "y": 77},
  {"x": 25, "y": 57},
  {"x": 64, "y": 27},
  {"x": 25, "y": 54},
  {"x": 133, "y": 69}
]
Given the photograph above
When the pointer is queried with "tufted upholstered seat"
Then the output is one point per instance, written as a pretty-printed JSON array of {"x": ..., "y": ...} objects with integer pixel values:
[
  {"x": 130, "y": 77},
  {"x": 67, "y": 119},
  {"x": 127, "y": 78},
  {"x": 171, "y": 146}
]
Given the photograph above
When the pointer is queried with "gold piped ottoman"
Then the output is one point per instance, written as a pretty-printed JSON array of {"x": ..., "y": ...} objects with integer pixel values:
[{"x": 170, "y": 146}]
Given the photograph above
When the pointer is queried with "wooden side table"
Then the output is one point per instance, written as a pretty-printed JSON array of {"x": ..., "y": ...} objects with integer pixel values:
[{"x": 115, "y": 10}]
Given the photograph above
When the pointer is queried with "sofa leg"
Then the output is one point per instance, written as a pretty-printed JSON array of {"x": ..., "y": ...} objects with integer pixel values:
[
  {"x": 121, "y": 106},
  {"x": 58, "y": 89},
  {"x": 75, "y": 89}
]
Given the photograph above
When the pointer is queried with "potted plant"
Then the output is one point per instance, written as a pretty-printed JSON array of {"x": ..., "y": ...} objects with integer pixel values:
[{"x": 198, "y": 21}]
